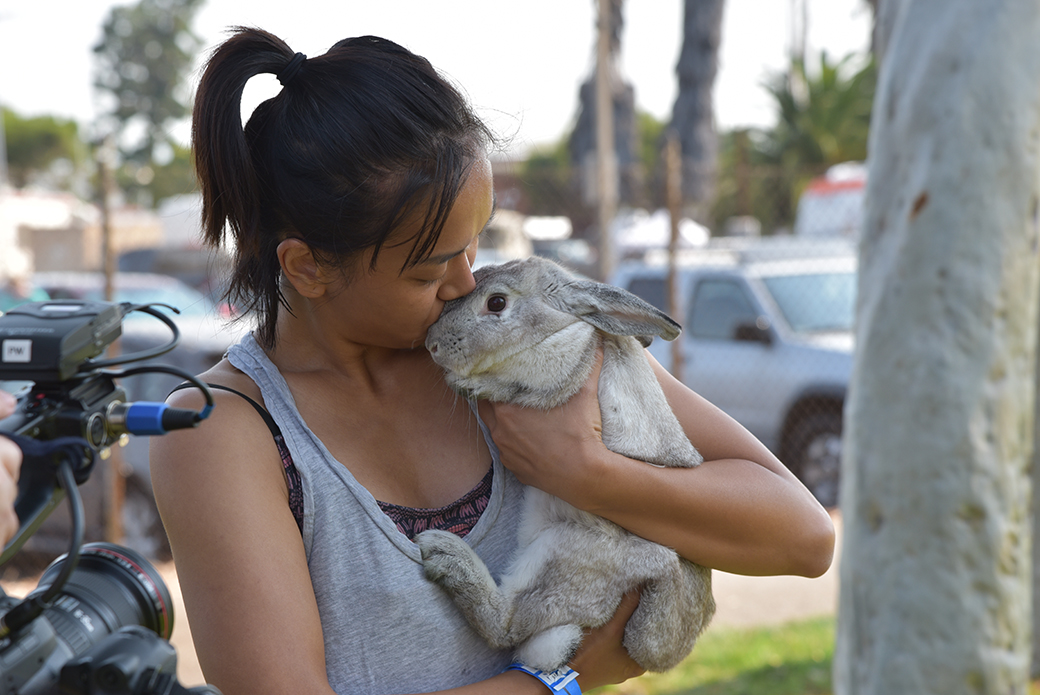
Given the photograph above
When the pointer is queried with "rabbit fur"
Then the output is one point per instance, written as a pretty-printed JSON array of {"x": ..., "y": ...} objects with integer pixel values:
[{"x": 527, "y": 335}]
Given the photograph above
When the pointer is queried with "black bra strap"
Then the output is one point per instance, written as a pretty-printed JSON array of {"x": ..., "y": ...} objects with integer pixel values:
[
  {"x": 292, "y": 474},
  {"x": 268, "y": 420}
]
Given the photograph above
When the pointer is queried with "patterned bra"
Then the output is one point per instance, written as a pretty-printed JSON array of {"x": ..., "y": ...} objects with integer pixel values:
[{"x": 459, "y": 517}]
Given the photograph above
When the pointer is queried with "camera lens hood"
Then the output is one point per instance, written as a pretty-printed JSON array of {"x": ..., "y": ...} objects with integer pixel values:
[{"x": 115, "y": 585}]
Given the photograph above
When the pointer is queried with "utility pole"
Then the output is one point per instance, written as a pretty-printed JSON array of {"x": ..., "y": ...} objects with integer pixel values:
[
  {"x": 105, "y": 161},
  {"x": 606, "y": 157},
  {"x": 116, "y": 492},
  {"x": 673, "y": 188}
]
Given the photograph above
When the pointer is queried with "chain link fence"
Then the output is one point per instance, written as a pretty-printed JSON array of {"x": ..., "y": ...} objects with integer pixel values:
[{"x": 765, "y": 292}]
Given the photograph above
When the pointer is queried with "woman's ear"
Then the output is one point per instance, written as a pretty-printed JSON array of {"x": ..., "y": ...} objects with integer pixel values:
[{"x": 300, "y": 268}]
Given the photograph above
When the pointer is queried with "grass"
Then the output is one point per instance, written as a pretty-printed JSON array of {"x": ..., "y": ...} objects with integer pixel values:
[{"x": 793, "y": 659}]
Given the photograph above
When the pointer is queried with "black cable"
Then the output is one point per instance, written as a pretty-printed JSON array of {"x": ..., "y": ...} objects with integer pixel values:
[
  {"x": 167, "y": 369},
  {"x": 68, "y": 482},
  {"x": 89, "y": 366},
  {"x": 32, "y": 606}
]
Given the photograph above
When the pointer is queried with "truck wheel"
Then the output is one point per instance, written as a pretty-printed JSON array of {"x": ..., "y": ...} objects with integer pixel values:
[{"x": 816, "y": 455}]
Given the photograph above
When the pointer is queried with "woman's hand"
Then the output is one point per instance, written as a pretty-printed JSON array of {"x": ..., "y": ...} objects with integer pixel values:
[
  {"x": 10, "y": 464},
  {"x": 602, "y": 659},
  {"x": 551, "y": 449}
]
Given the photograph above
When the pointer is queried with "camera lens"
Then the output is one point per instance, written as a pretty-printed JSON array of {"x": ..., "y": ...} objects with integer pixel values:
[{"x": 111, "y": 587}]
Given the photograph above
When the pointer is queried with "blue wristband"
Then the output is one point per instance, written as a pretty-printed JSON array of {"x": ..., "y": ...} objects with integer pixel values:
[{"x": 562, "y": 680}]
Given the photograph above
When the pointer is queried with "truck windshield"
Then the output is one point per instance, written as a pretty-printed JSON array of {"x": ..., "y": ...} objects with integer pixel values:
[{"x": 817, "y": 302}]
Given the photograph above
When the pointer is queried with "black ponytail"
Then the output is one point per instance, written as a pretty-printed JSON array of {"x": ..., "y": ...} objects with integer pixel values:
[{"x": 358, "y": 140}]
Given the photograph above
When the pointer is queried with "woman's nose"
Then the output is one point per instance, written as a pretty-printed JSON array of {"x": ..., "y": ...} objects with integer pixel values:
[{"x": 460, "y": 282}]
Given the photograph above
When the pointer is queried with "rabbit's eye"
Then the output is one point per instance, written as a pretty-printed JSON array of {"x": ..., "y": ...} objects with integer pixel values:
[{"x": 496, "y": 303}]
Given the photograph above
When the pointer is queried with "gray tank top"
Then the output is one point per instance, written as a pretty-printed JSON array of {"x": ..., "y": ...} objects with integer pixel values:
[{"x": 386, "y": 628}]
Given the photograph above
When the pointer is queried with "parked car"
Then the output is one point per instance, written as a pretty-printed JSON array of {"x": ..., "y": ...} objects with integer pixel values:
[
  {"x": 206, "y": 332},
  {"x": 767, "y": 338},
  {"x": 199, "y": 267},
  {"x": 205, "y": 325}
]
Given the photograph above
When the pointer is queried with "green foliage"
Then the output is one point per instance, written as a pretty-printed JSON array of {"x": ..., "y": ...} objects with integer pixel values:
[
  {"x": 749, "y": 184},
  {"x": 175, "y": 177},
  {"x": 171, "y": 178},
  {"x": 651, "y": 139},
  {"x": 550, "y": 182},
  {"x": 823, "y": 119},
  {"x": 822, "y": 122},
  {"x": 651, "y": 147},
  {"x": 793, "y": 659},
  {"x": 35, "y": 144},
  {"x": 547, "y": 180},
  {"x": 143, "y": 58}
]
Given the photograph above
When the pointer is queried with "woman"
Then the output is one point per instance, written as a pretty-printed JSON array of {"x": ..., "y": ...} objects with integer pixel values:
[
  {"x": 10, "y": 465},
  {"x": 355, "y": 199}
]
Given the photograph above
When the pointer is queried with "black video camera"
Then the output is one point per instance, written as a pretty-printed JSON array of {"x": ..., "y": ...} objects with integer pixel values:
[{"x": 99, "y": 620}]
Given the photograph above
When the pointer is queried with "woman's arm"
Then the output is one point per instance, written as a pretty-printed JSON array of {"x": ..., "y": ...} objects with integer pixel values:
[
  {"x": 740, "y": 511},
  {"x": 10, "y": 465},
  {"x": 239, "y": 556},
  {"x": 243, "y": 571}
]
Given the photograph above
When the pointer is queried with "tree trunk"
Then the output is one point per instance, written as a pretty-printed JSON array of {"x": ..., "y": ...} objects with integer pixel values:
[
  {"x": 1035, "y": 669},
  {"x": 692, "y": 113},
  {"x": 936, "y": 575},
  {"x": 584, "y": 139},
  {"x": 606, "y": 151}
]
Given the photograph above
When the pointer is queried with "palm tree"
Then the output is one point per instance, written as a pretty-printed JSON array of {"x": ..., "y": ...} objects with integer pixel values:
[
  {"x": 823, "y": 118},
  {"x": 692, "y": 113}
]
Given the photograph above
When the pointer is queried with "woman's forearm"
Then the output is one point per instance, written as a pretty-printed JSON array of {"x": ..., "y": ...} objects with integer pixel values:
[
  {"x": 740, "y": 511},
  {"x": 730, "y": 514},
  {"x": 734, "y": 514}
]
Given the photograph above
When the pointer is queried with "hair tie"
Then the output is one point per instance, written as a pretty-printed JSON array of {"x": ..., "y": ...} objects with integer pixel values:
[{"x": 291, "y": 69}]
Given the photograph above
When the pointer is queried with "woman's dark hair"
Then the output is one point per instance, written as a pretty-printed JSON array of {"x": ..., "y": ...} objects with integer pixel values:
[{"x": 358, "y": 139}]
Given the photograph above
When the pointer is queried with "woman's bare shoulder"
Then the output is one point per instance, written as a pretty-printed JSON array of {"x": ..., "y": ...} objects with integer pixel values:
[
  {"x": 223, "y": 373},
  {"x": 233, "y": 432}
]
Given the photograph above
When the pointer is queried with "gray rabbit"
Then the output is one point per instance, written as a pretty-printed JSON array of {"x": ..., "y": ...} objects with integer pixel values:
[{"x": 527, "y": 335}]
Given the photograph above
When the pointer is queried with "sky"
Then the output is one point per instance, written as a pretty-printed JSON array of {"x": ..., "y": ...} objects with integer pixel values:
[{"x": 521, "y": 68}]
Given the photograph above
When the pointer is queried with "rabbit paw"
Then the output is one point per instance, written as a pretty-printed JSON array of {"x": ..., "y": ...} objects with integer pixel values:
[
  {"x": 552, "y": 648},
  {"x": 449, "y": 561}
]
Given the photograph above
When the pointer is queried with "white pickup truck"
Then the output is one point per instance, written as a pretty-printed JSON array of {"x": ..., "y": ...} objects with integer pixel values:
[{"x": 767, "y": 337}]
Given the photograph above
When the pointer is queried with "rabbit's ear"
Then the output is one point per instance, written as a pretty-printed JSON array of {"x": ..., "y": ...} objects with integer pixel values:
[{"x": 613, "y": 310}]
